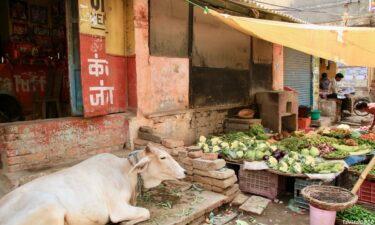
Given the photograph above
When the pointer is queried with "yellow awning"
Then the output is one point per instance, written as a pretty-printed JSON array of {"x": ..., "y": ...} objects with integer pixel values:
[{"x": 354, "y": 46}]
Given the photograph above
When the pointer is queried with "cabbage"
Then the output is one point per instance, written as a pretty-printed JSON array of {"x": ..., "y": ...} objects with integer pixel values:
[
  {"x": 250, "y": 155},
  {"x": 314, "y": 152},
  {"x": 305, "y": 152},
  {"x": 239, "y": 154},
  {"x": 259, "y": 155}
]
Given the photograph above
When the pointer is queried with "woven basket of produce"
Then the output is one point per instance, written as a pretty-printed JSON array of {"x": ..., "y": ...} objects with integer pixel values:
[
  {"x": 298, "y": 175},
  {"x": 357, "y": 170},
  {"x": 329, "y": 198},
  {"x": 336, "y": 155}
]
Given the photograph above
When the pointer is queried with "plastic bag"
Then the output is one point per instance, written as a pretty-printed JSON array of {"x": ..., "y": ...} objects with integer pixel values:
[{"x": 256, "y": 165}]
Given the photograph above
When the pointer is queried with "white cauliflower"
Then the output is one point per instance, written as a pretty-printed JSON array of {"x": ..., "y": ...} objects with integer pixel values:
[
  {"x": 202, "y": 139},
  {"x": 215, "y": 148},
  {"x": 206, "y": 148},
  {"x": 224, "y": 145},
  {"x": 309, "y": 160},
  {"x": 234, "y": 145},
  {"x": 215, "y": 140}
]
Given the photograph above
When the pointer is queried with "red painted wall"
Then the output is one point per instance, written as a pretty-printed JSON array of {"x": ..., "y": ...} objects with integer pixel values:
[{"x": 103, "y": 78}]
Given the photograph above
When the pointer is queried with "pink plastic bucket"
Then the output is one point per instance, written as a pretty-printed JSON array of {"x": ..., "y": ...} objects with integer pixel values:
[{"x": 322, "y": 217}]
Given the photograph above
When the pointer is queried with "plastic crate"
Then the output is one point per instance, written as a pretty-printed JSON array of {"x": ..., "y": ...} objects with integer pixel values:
[
  {"x": 299, "y": 184},
  {"x": 367, "y": 192},
  {"x": 261, "y": 182}
]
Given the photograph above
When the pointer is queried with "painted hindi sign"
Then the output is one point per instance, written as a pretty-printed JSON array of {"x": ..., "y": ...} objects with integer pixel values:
[{"x": 102, "y": 71}]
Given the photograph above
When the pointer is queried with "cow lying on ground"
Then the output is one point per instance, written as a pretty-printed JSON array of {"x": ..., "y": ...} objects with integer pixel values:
[{"x": 93, "y": 192}]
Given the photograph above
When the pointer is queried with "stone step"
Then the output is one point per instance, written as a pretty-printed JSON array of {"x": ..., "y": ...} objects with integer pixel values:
[
  {"x": 9, "y": 181},
  {"x": 190, "y": 207}
]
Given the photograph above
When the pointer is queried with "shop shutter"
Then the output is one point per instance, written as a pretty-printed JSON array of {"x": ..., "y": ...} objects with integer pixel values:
[{"x": 298, "y": 74}]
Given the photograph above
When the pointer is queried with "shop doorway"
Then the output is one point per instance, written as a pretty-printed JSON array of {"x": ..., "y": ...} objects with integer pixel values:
[{"x": 37, "y": 60}]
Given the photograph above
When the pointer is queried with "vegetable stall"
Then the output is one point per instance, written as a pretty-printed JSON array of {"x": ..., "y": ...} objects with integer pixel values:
[{"x": 320, "y": 155}]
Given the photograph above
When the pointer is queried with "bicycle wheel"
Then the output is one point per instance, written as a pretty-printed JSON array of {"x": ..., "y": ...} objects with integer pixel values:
[{"x": 357, "y": 112}]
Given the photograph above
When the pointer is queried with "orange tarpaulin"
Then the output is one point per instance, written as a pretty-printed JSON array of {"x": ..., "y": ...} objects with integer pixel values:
[{"x": 354, "y": 46}]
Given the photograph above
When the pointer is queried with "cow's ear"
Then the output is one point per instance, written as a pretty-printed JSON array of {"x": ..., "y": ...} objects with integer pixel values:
[
  {"x": 141, "y": 165},
  {"x": 151, "y": 150}
]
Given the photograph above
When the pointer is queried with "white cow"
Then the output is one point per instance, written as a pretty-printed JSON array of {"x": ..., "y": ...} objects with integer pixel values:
[{"x": 93, "y": 192}]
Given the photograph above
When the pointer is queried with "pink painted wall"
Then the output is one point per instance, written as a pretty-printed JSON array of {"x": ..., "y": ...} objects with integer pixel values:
[
  {"x": 162, "y": 82},
  {"x": 278, "y": 67},
  {"x": 131, "y": 81}
]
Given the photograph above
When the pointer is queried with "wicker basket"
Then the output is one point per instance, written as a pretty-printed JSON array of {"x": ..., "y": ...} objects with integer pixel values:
[
  {"x": 261, "y": 182},
  {"x": 297, "y": 175},
  {"x": 329, "y": 198},
  {"x": 368, "y": 177}
]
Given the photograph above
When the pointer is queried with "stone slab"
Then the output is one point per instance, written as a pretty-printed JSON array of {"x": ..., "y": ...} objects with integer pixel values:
[
  {"x": 150, "y": 137},
  {"x": 198, "y": 221},
  {"x": 214, "y": 182},
  {"x": 221, "y": 174},
  {"x": 172, "y": 143},
  {"x": 240, "y": 199},
  {"x": 255, "y": 204},
  {"x": 140, "y": 142},
  {"x": 176, "y": 151},
  {"x": 195, "y": 154},
  {"x": 207, "y": 165},
  {"x": 206, "y": 187},
  {"x": 146, "y": 129},
  {"x": 193, "y": 148},
  {"x": 186, "y": 210},
  {"x": 231, "y": 197},
  {"x": 227, "y": 191},
  {"x": 187, "y": 161}
]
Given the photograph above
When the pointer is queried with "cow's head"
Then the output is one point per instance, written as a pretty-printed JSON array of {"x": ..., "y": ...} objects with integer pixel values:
[{"x": 156, "y": 165}]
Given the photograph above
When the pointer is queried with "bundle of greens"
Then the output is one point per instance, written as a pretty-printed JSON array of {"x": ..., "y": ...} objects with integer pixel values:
[
  {"x": 257, "y": 131},
  {"x": 360, "y": 168},
  {"x": 358, "y": 215},
  {"x": 237, "y": 146},
  {"x": 296, "y": 163}
]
